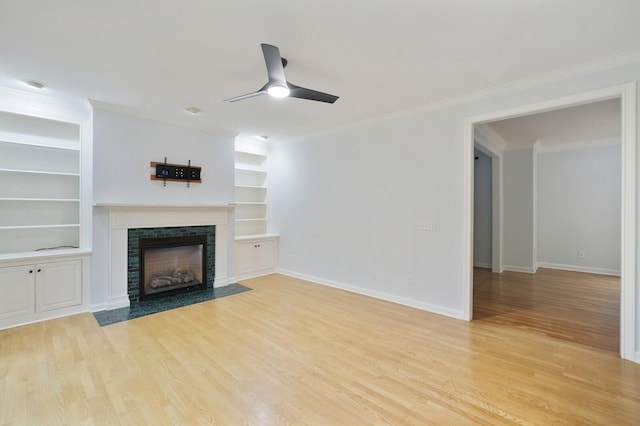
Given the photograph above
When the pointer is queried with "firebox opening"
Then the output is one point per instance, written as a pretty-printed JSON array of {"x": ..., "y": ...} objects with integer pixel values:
[{"x": 172, "y": 264}]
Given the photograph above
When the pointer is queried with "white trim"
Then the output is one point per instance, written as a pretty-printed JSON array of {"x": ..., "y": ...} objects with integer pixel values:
[
  {"x": 545, "y": 146},
  {"x": 627, "y": 94},
  {"x": 489, "y": 142},
  {"x": 436, "y": 309},
  {"x": 522, "y": 269},
  {"x": 637, "y": 358},
  {"x": 489, "y": 138},
  {"x": 467, "y": 226},
  {"x": 123, "y": 217},
  {"x": 527, "y": 83},
  {"x": 628, "y": 283},
  {"x": 534, "y": 206},
  {"x": 42, "y": 106},
  {"x": 42, "y": 316},
  {"x": 578, "y": 268}
]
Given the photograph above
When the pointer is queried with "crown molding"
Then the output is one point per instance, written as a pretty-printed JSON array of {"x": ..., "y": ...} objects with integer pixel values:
[
  {"x": 586, "y": 68},
  {"x": 545, "y": 146},
  {"x": 43, "y": 106},
  {"x": 488, "y": 138},
  {"x": 132, "y": 112}
]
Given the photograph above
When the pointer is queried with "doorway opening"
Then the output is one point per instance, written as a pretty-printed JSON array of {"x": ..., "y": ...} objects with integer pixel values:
[{"x": 625, "y": 95}]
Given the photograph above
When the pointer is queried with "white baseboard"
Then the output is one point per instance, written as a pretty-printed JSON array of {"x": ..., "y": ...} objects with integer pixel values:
[
  {"x": 637, "y": 357},
  {"x": 520, "y": 269},
  {"x": 41, "y": 316},
  {"x": 110, "y": 304},
  {"x": 482, "y": 265},
  {"x": 256, "y": 274},
  {"x": 441, "y": 310},
  {"x": 574, "y": 268},
  {"x": 223, "y": 281}
]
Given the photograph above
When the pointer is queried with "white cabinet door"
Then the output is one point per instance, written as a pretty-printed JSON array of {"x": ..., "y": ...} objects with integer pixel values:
[
  {"x": 58, "y": 285},
  {"x": 265, "y": 255},
  {"x": 16, "y": 291},
  {"x": 246, "y": 255}
]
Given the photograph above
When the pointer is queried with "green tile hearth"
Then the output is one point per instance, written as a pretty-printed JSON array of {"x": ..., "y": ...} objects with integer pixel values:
[{"x": 153, "y": 306}]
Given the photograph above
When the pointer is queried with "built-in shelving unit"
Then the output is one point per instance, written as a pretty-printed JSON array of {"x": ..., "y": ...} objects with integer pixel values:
[
  {"x": 45, "y": 207},
  {"x": 250, "y": 188},
  {"x": 256, "y": 251},
  {"x": 40, "y": 191}
]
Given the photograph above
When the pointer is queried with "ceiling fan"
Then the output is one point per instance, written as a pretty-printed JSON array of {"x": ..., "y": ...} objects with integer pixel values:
[{"x": 278, "y": 86}]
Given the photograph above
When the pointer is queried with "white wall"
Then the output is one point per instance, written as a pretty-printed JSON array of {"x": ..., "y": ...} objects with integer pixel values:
[
  {"x": 518, "y": 210},
  {"x": 482, "y": 210},
  {"x": 579, "y": 209},
  {"x": 123, "y": 147},
  {"x": 348, "y": 203}
]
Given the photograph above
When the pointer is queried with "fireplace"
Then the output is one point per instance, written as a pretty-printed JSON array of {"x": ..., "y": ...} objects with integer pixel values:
[
  {"x": 167, "y": 260},
  {"x": 171, "y": 265}
]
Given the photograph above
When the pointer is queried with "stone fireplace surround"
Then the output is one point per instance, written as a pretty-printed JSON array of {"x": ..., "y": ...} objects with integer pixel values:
[{"x": 123, "y": 217}]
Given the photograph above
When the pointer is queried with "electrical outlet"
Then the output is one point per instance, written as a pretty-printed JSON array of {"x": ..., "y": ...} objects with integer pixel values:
[
  {"x": 427, "y": 226},
  {"x": 291, "y": 258},
  {"x": 581, "y": 254},
  {"x": 374, "y": 276},
  {"x": 410, "y": 280}
]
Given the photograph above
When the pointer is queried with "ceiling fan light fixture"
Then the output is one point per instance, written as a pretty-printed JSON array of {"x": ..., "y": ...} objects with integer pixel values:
[{"x": 278, "y": 91}]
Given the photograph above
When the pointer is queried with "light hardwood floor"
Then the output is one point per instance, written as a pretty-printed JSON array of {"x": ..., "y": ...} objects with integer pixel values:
[
  {"x": 574, "y": 306},
  {"x": 291, "y": 352}
]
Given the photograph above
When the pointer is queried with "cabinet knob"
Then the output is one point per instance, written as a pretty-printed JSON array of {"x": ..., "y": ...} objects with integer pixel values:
[
  {"x": 31, "y": 271},
  {"x": 39, "y": 270}
]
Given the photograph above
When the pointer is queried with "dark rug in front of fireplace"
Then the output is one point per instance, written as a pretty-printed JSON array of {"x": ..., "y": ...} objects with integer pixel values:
[{"x": 153, "y": 306}]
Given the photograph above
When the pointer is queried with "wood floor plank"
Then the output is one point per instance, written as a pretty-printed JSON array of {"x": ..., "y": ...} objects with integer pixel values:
[
  {"x": 292, "y": 352},
  {"x": 574, "y": 306}
]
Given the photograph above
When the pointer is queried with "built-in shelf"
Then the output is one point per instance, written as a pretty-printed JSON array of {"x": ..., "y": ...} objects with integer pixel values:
[
  {"x": 43, "y": 200},
  {"x": 38, "y": 172},
  {"x": 46, "y": 253},
  {"x": 249, "y": 152},
  {"x": 251, "y": 186},
  {"x": 47, "y": 200},
  {"x": 42, "y": 141},
  {"x": 251, "y": 170},
  {"x": 125, "y": 206},
  {"x": 254, "y": 219},
  {"x": 66, "y": 225},
  {"x": 255, "y": 237}
]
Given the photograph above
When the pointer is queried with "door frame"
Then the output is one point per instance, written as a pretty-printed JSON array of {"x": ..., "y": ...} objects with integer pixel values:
[
  {"x": 627, "y": 95},
  {"x": 495, "y": 150}
]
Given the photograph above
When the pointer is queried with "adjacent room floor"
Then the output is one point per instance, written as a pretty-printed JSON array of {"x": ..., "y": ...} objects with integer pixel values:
[{"x": 573, "y": 306}]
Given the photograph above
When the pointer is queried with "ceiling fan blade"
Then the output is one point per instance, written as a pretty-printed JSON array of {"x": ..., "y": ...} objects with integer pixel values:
[
  {"x": 273, "y": 60},
  {"x": 312, "y": 95},
  {"x": 247, "y": 96}
]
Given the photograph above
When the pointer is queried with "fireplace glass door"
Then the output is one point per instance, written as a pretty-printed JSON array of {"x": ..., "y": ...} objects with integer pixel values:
[{"x": 170, "y": 265}]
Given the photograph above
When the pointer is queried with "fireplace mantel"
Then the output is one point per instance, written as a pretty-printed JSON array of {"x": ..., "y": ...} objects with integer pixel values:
[{"x": 123, "y": 217}]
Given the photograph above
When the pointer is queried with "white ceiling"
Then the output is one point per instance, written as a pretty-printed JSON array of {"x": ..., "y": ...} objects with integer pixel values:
[
  {"x": 592, "y": 122},
  {"x": 154, "y": 58}
]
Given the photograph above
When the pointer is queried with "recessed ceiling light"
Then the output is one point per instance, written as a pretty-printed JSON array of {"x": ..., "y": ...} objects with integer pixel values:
[
  {"x": 193, "y": 110},
  {"x": 34, "y": 84},
  {"x": 264, "y": 137}
]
